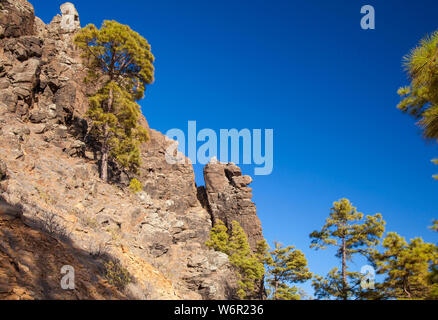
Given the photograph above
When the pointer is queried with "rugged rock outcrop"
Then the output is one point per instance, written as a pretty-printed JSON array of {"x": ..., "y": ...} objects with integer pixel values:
[
  {"x": 16, "y": 19},
  {"x": 49, "y": 170},
  {"x": 229, "y": 198}
]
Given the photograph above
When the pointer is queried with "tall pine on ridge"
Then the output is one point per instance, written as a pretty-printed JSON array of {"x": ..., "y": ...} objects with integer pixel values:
[{"x": 120, "y": 61}]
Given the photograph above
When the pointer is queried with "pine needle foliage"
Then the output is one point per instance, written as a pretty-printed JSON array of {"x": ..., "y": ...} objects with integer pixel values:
[
  {"x": 409, "y": 268},
  {"x": 286, "y": 265},
  {"x": 420, "y": 98},
  {"x": 135, "y": 185}
]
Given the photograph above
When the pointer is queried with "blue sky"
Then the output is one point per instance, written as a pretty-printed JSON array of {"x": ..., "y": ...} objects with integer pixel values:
[{"x": 307, "y": 70}]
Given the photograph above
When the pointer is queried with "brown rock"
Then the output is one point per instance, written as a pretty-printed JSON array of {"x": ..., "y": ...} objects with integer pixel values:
[
  {"x": 24, "y": 47},
  {"x": 166, "y": 181},
  {"x": 9, "y": 98},
  {"x": 27, "y": 71},
  {"x": 16, "y": 18},
  {"x": 3, "y": 170},
  {"x": 229, "y": 199}
]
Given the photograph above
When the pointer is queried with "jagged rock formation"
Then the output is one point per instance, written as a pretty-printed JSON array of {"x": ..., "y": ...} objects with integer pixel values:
[
  {"x": 229, "y": 198},
  {"x": 49, "y": 169},
  {"x": 17, "y": 18}
]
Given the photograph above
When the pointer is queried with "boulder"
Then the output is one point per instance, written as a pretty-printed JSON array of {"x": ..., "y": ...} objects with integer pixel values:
[
  {"x": 25, "y": 72},
  {"x": 9, "y": 99},
  {"x": 24, "y": 47}
]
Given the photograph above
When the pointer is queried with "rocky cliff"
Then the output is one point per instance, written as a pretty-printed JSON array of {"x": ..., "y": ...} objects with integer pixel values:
[{"x": 54, "y": 209}]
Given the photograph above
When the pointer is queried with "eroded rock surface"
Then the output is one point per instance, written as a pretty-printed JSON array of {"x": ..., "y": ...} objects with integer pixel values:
[
  {"x": 229, "y": 198},
  {"x": 16, "y": 18}
]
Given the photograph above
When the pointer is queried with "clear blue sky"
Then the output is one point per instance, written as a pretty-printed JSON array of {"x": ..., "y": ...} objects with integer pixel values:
[{"x": 307, "y": 70}]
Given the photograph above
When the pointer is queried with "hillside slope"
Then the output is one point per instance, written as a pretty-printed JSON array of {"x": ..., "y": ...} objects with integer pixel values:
[{"x": 68, "y": 216}]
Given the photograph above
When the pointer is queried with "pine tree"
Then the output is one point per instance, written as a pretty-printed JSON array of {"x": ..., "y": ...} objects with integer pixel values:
[
  {"x": 286, "y": 266},
  {"x": 420, "y": 98},
  {"x": 248, "y": 265},
  {"x": 407, "y": 268},
  {"x": 120, "y": 63},
  {"x": 348, "y": 231}
]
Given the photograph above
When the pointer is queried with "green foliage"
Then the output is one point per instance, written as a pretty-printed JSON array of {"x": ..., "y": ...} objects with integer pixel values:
[
  {"x": 119, "y": 53},
  {"x": 286, "y": 265},
  {"x": 262, "y": 252},
  {"x": 286, "y": 292},
  {"x": 249, "y": 268},
  {"x": 420, "y": 98},
  {"x": 408, "y": 268},
  {"x": 434, "y": 227},
  {"x": 219, "y": 238},
  {"x": 135, "y": 185},
  {"x": 116, "y": 274},
  {"x": 120, "y": 63},
  {"x": 118, "y": 128},
  {"x": 351, "y": 233},
  {"x": 332, "y": 285}
]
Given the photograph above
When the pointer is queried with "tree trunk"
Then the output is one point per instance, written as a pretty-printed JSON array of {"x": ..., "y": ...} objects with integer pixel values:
[
  {"x": 344, "y": 269},
  {"x": 405, "y": 287},
  {"x": 104, "y": 159},
  {"x": 105, "y": 146},
  {"x": 275, "y": 290}
]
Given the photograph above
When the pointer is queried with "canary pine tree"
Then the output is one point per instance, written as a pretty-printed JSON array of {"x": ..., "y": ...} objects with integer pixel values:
[
  {"x": 420, "y": 98},
  {"x": 286, "y": 266},
  {"x": 248, "y": 265},
  {"x": 407, "y": 267},
  {"x": 120, "y": 64},
  {"x": 350, "y": 233}
]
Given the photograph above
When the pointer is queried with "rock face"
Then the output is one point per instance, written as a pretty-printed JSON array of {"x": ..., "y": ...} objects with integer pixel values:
[
  {"x": 49, "y": 170},
  {"x": 179, "y": 189},
  {"x": 41, "y": 74},
  {"x": 16, "y": 18},
  {"x": 229, "y": 198}
]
